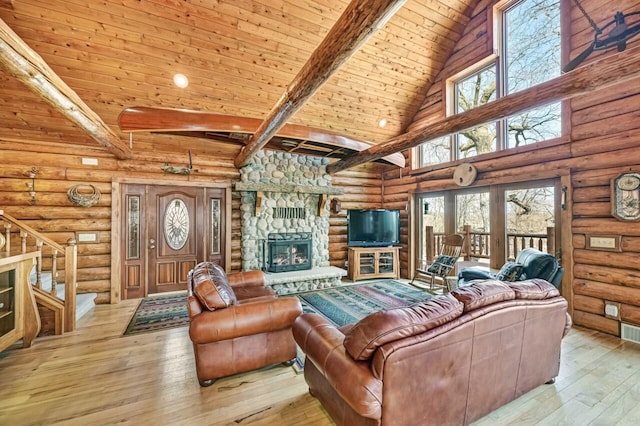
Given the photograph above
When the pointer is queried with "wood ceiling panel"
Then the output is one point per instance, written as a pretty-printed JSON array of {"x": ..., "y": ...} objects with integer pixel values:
[{"x": 238, "y": 54}]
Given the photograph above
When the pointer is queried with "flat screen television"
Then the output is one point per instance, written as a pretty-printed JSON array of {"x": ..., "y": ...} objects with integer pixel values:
[{"x": 373, "y": 228}]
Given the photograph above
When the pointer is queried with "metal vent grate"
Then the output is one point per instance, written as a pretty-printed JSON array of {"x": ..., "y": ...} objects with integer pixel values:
[
  {"x": 630, "y": 332},
  {"x": 289, "y": 213}
]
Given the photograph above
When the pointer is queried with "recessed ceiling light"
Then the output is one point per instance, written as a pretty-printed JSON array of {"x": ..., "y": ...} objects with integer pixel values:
[
  {"x": 180, "y": 80},
  {"x": 382, "y": 122}
]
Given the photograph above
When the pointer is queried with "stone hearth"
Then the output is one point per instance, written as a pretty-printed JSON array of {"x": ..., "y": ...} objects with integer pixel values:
[{"x": 297, "y": 281}]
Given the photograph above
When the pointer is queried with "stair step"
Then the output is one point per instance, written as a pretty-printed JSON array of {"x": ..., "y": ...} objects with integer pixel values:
[
  {"x": 84, "y": 304},
  {"x": 84, "y": 301}
]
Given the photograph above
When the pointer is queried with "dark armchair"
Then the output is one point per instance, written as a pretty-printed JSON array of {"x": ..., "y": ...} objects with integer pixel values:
[
  {"x": 530, "y": 263},
  {"x": 236, "y": 323}
]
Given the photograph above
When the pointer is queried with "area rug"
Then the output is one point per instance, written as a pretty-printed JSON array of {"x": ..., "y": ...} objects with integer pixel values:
[
  {"x": 340, "y": 305},
  {"x": 349, "y": 304},
  {"x": 159, "y": 313}
]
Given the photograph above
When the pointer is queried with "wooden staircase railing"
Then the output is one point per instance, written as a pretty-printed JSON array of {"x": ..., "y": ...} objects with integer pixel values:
[{"x": 69, "y": 252}]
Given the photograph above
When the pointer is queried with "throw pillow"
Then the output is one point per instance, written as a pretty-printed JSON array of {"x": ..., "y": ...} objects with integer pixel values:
[
  {"x": 442, "y": 264},
  {"x": 510, "y": 271},
  {"x": 211, "y": 286}
]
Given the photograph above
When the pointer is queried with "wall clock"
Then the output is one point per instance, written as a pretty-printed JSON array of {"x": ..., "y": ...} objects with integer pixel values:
[{"x": 625, "y": 196}]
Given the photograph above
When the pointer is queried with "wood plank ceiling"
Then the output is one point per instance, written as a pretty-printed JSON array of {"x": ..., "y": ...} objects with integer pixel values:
[{"x": 238, "y": 55}]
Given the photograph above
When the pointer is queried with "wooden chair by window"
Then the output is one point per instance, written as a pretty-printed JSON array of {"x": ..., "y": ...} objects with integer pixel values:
[{"x": 435, "y": 273}]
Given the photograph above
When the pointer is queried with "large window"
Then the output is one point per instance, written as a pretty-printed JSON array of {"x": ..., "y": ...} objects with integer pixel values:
[
  {"x": 528, "y": 54},
  {"x": 471, "y": 92}
]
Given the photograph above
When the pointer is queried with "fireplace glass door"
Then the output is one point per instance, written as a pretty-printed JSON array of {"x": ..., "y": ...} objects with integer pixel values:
[{"x": 289, "y": 252}]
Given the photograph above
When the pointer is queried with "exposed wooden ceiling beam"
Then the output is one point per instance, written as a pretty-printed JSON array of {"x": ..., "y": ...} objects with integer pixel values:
[
  {"x": 27, "y": 66},
  {"x": 360, "y": 20},
  {"x": 612, "y": 69}
]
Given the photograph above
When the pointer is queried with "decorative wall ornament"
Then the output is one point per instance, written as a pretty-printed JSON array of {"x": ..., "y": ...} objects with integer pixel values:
[
  {"x": 177, "y": 170},
  {"x": 625, "y": 197},
  {"x": 465, "y": 174},
  {"x": 32, "y": 185},
  {"x": 83, "y": 195},
  {"x": 615, "y": 33}
]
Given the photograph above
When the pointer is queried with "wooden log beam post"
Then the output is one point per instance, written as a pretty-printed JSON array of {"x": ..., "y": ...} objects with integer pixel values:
[
  {"x": 360, "y": 20},
  {"x": 610, "y": 70},
  {"x": 27, "y": 66}
]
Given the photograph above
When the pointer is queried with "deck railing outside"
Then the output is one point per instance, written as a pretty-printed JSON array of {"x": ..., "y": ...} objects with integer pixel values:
[{"x": 476, "y": 244}]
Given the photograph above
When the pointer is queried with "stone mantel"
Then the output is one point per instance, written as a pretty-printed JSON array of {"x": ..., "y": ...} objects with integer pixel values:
[{"x": 287, "y": 188}]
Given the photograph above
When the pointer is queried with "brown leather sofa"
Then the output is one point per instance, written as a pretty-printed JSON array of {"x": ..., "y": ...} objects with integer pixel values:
[
  {"x": 236, "y": 323},
  {"x": 446, "y": 361}
]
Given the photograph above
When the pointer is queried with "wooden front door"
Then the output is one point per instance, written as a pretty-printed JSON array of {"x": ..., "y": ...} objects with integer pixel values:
[
  {"x": 173, "y": 246},
  {"x": 167, "y": 230}
]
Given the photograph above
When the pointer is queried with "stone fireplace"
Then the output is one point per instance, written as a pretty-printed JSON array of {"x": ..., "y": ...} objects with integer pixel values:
[{"x": 285, "y": 193}]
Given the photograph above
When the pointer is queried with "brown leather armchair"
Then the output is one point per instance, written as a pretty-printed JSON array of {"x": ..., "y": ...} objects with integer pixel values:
[{"x": 236, "y": 323}]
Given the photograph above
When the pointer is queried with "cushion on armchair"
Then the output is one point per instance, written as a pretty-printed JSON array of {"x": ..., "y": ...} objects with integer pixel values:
[
  {"x": 442, "y": 264},
  {"x": 510, "y": 271},
  {"x": 211, "y": 287}
]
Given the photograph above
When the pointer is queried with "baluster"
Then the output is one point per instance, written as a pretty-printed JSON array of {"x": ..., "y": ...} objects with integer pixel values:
[
  {"x": 54, "y": 273},
  {"x": 39, "y": 264},
  {"x": 429, "y": 245},
  {"x": 551, "y": 243},
  {"x": 7, "y": 232},
  {"x": 23, "y": 240},
  {"x": 466, "y": 231},
  {"x": 540, "y": 244}
]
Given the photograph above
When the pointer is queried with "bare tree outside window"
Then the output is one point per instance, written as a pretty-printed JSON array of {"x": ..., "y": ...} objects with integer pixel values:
[
  {"x": 471, "y": 92},
  {"x": 529, "y": 215},
  {"x": 436, "y": 151},
  {"x": 530, "y": 55}
]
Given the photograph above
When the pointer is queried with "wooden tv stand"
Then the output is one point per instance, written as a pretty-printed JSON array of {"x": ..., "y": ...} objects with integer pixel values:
[{"x": 373, "y": 262}]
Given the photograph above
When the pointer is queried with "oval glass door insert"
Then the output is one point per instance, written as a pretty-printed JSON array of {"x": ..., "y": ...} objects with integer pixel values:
[{"x": 176, "y": 224}]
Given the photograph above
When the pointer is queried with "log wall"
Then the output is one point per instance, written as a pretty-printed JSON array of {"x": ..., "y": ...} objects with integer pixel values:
[
  {"x": 60, "y": 167},
  {"x": 601, "y": 140}
]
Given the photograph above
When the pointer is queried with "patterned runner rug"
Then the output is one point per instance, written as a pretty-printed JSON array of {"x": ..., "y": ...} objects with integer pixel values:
[
  {"x": 349, "y": 304},
  {"x": 158, "y": 313}
]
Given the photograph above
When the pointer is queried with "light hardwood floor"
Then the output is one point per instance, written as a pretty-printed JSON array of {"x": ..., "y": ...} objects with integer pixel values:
[{"x": 95, "y": 376}]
